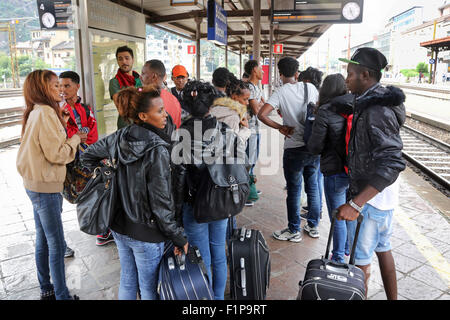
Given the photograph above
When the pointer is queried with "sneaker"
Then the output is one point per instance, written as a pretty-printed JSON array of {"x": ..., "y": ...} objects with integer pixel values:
[
  {"x": 103, "y": 239},
  {"x": 69, "y": 253},
  {"x": 259, "y": 192},
  {"x": 312, "y": 232},
  {"x": 304, "y": 216},
  {"x": 287, "y": 235},
  {"x": 249, "y": 204}
]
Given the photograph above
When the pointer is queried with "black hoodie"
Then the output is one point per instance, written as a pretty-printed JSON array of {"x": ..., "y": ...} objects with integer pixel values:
[
  {"x": 145, "y": 183},
  {"x": 375, "y": 147}
]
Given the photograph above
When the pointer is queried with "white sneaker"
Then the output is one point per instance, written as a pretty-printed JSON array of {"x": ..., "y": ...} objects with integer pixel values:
[
  {"x": 312, "y": 232},
  {"x": 287, "y": 235}
]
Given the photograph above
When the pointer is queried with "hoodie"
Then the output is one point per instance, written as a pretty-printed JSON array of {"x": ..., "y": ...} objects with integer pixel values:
[{"x": 375, "y": 146}]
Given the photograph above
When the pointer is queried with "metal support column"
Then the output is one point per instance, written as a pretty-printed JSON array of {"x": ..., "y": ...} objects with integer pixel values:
[
  {"x": 270, "y": 59},
  {"x": 256, "y": 29},
  {"x": 198, "y": 21},
  {"x": 240, "y": 61}
]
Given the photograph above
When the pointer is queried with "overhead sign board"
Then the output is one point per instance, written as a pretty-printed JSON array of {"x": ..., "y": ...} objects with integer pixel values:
[
  {"x": 317, "y": 11},
  {"x": 108, "y": 16},
  {"x": 55, "y": 14},
  {"x": 217, "y": 23}
]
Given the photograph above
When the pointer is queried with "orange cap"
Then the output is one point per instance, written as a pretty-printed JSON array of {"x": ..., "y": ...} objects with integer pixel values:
[{"x": 179, "y": 70}]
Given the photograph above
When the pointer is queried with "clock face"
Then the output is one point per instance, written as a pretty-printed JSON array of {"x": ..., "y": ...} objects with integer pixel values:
[
  {"x": 48, "y": 20},
  {"x": 351, "y": 11}
]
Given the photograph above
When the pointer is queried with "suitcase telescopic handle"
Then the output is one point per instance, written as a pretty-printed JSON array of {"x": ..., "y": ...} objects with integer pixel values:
[{"x": 330, "y": 236}]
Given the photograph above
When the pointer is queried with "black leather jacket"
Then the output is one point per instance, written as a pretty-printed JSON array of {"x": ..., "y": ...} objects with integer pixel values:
[
  {"x": 145, "y": 183},
  {"x": 375, "y": 148},
  {"x": 328, "y": 134}
]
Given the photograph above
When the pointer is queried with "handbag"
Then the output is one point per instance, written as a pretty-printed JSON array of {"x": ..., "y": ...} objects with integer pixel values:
[
  {"x": 97, "y": 203},
  {"x": 77, "y": 177}
]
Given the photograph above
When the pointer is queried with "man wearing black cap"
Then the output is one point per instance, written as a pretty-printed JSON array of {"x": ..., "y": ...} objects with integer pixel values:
[{"x": 374, "y": 162}]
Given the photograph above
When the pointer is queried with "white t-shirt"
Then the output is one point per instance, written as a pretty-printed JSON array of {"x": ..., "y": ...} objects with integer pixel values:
[
  {"x": 289, "y": 100},
  {"x": 387, "y": 199}
]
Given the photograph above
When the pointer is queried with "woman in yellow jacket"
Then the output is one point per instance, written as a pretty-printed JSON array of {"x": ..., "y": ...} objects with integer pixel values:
[{"x": 41, "y": 161}]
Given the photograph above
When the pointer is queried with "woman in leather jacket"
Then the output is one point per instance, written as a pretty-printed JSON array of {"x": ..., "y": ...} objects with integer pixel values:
[
  {"x": 328, "y": 140},
  {"x": 147, "y": 215}
]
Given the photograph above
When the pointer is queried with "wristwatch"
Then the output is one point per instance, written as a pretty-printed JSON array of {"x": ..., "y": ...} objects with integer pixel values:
[{"x": 355, "y": 206}]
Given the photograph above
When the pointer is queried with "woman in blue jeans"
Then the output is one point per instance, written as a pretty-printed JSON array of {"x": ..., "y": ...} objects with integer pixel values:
[
  {"x": 209, "y": 237},
  {"x": 41, "y": 161},
  {"x": 329, "y": 140},
  {"x": 147, "y": 214}
]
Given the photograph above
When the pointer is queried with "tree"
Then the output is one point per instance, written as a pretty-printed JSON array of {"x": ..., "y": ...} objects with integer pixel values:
[{"x": 422, "y": 67}]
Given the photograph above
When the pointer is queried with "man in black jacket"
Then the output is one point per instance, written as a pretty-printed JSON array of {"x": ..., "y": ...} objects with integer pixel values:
[{"x": 374, "y": 162}]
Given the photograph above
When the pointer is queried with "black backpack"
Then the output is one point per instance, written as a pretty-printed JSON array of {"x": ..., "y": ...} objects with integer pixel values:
[
  {"x": 310, "y": 116},
  {"x": 223, "y": 189}
]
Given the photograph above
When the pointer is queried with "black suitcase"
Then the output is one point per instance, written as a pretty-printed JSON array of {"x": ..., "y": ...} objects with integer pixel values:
[
  {"x": 329, "y": 280},
  {"x": 183, "y": 278},
  {"x": 249, "y": 264}
]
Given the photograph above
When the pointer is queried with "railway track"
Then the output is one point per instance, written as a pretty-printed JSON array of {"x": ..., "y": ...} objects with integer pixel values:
[
  {"x": 11, "y": 117},
  {"x": 428, "y": 154},
  {"x": 11, "y": 93}
]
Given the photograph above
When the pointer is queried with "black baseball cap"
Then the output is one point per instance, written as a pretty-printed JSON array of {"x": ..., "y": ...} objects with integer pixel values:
[{"x": 368, "y": 57}]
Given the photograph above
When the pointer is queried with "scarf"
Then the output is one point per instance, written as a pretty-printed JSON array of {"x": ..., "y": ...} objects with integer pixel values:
[{"x": 125, "y": 80}]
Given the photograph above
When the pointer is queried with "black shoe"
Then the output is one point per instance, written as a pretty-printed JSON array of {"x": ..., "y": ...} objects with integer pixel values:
[
  {"x": 69, "y": 253},
  {"x": 49, "y": 295},
  {"x": 75, "y": 297}
]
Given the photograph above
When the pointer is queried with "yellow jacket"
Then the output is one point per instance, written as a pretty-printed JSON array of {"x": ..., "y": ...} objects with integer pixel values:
[{"x": 44, "y": 151}]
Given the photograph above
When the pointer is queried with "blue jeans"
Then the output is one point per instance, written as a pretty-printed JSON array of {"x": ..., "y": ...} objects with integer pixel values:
[
  {"x": 299, "y": 164},
  {"x": 50, "y": 244},
  {"x": 139, "y": 263},
  {"x": 320, "y": 184},
  {"x": 253, "y": 146},
  {"x": 209, "y": 238},
  {"x": 335, "y": 194},
  {"x": 374, "y": 235}
]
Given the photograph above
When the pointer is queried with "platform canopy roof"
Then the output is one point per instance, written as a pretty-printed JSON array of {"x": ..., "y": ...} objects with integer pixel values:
[
  {"x": 296, "y": 38},
  {"x": 442, "y": 44}
]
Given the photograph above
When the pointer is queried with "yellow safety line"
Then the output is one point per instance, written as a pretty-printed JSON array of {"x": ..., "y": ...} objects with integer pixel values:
[{"x": 434, "y": 257}]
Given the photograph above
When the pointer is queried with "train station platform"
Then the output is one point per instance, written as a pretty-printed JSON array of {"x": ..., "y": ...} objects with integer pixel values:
[{"x": 421, "y": 242}]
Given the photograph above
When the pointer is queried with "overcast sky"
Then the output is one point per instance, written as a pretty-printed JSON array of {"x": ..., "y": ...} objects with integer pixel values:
[{"x": 376, "y": 15}]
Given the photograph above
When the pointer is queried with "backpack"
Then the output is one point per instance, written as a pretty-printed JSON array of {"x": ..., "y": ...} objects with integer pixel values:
[
  {"x": 310, "y": 116},
  {"x": 222, "y": 191}
]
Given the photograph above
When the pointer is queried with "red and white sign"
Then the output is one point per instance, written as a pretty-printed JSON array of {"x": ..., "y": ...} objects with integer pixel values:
[
  {"x": 278, "y": 49},
  {"x": 191, "y": 49}
]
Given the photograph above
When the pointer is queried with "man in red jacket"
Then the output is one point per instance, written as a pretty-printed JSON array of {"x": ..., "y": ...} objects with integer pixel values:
[{"x": 81, "y": 116}]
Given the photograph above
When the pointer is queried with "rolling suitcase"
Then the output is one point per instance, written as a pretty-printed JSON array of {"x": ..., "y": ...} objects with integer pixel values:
[
  {"x": 329, "y": 280},
  {"x": 183, "y": 278},
  {"x": 249, "y": 264}
]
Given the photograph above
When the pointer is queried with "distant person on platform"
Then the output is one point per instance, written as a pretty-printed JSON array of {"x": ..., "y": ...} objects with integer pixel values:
[
  {"x": 374, "y": 163},
  {"x": 256, "y": 101},
  {"x": 180, "y": 77},
  {"x": 124, "y": 78},
  {"x": 220, "y": 80},
  {"x": 154, "y": 73}
]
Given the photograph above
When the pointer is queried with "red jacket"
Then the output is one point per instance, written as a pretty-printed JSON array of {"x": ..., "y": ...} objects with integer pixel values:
[
  {"x": 86, "y": 121},
  {"x": 172, "y": 106}
]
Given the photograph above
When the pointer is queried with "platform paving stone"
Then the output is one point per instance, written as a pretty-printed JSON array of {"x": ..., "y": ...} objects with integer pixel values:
[{"x": 94, "y": 272}]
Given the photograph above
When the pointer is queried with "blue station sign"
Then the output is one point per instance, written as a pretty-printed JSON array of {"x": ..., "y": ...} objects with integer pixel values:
[{"x": 217, "y": 23}]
